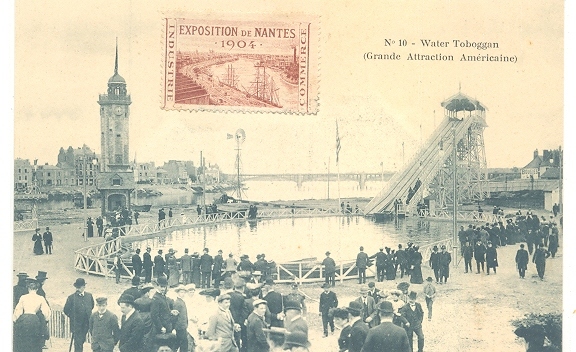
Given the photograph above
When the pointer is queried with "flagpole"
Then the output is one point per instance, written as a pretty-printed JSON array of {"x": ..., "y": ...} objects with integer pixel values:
[
  {"x": 328, "y": 178},
  {"x": 338, "y": 146}
]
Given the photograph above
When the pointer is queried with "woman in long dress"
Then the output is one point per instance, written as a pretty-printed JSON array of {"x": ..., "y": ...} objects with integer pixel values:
[
  {"x": 90, "y": 226},
  {"x": 416, "y": 276},
  {"x": 173, "y": 272},
  {"x": 28, "y": 324},
  {"x": 37, "y": 238}
]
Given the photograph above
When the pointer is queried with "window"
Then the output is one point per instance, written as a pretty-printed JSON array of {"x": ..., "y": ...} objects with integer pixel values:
[
  {"x": 19, "y": 171},
  {"x": 116, "y": 181},
  {"x": 48, "y": 174},
  {"x": 118, "y": 135},
  {"x": 25, "y": 177},
  {"x": 26, "y": 171}
]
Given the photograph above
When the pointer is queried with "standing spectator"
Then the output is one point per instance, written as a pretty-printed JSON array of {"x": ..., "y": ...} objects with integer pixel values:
[
  {"x": 294, "y": 322},
  {"x": 539, "y": 259},
  {"x": 217, "y": 269},
  {"x": 368, "y": 306},
  {"x": 132, "y": 329},
  {"x": 37, "y": 238},
  {"x": 172, "y": 267},
  {"x": 238, "y": 309},
  {"x": 380, "y": 264},
  {"x": 275, "y": 303},
  {"x": 361, "y": 264},
  {"x": 133, "y": 290},
  {"x": 137, "y": 264},
  {"x": 47, "y": 236},
  {"x": 20, "y": 289},
  {"x": 181, "y": 324},
  {"x": 196, "y": 275},
  {"x": 373, "y": 291},
  {"x": 78, "y": 308},
  {"x": 255, "y": 324},
  {"x": 90, "y": 227},
  {"x": 296, "y": 296},
  {"x": 414, "y": 313},
  {"x": 160, "y": 309},
  {"x": 100, "y": 225},
  {"x": 40, "y": 278},
  {"x": 117, "y": 266},
  {"x": 430, "y": 295},
  {"x": 491, "y": 258},
  {"x": 444, "y": 259},
  {"x": 147, "y": 264},
  {"x": 296, "y": 342},
  {"x": 186, "y": 265},
  {"x": 359, "y": 329},
  {"x": 221, "y": 326},
  {"x": 401, "y": 260},
  {"x": 416, "y": 262},
  {"x": 230, "y": 265},
  {"x": 479, "y": 255},
  {"x": 329, "y": 269},
  {"x": 522, "y": 259},
  {"x": 161, "y": 217},
  {"x": 170, "y": 214},
  {"x": 386, "y": 336},
  {"x": 328, "y": 300},
  {"x": 553, "y": 241},
  {"x": 342, "y": 322},
  {"x": 103, "y": 327},
  {"x": 531, "y": 240},
  {"x": 159, "y": 263},
  {"x": 467, "y": 253},
  {"x": 206, "y": 262},
  {"x": 136, "y": 216},
  {"x": 434, "y": 263},
  {"x": 29, "y": 319}
]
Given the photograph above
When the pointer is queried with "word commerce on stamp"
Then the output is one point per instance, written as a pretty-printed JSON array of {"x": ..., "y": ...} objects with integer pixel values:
[{"x": 240, "y": 65}]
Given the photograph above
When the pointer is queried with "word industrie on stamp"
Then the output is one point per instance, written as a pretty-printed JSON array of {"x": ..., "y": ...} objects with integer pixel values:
[{"x": 240, "y": 65}]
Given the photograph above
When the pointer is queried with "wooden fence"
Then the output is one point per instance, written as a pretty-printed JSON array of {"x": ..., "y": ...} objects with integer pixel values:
[{"x": 26, "y": 225}]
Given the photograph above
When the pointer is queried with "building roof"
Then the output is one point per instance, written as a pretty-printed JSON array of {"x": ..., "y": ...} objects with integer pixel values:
[
  {"x": 460, "y": 102},
  {"x": 535, "y": 163},
  {"x": 551, "y": 173},
  {"x": 117, "y": 79}
]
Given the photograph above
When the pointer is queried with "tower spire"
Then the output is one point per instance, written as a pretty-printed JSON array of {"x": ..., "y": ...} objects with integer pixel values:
[{"x": 116, "y": 62}]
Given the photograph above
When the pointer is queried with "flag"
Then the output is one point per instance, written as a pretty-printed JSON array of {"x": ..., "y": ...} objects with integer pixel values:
[
  {"x": 338, "y": 146},
  {"x": 229, "y": 136}
]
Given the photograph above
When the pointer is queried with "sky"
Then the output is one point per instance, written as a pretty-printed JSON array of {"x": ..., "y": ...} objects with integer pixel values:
[{"x": 64, "y": 56}]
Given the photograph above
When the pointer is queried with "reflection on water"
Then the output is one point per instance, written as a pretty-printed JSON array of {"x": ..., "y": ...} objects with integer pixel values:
[{"x": 290, "y": 239}]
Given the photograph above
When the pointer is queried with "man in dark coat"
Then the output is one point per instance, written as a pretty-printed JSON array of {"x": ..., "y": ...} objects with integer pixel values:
[
  {"x": 256, "y": 339},
  {"x": 329, "y": 270},
  {"x": 160, "y": 308},
  {"x": 238, "y": 309},
  {"x": 47, "y": 237},
  {"x": 137, "y": 263},
  {"x": 147, "y": 264},
  {"x": 275, "y": 303},
  {"x": 386, "y": 337},
  {"x": 186, "y": 265},
  {"x": 103, "y": 327},
  {"x": 328, "y": 300},
  {"x": 78, "y": 308},
  {"x": 294, "y": 320},
  {"x": 434, "y": 263},
  {"x": 368, "y": 306},
  {"x": 132, "y": 329},
  {"x": 361, "y": 264},
  {"x": 479, "y": 256},
  {"x": 217, "y": 269},
  {"x": 380, "y": 264},
  {"x": 159, "y": 263},
  {"x": 467, "y": 253},
  {"x": 522, "y": 259},
  {"x": 181, "y": 319},
  {"x": 401, "y": 260},
  {"x": 359, "y": 329},
  {"x": 539, "y": 258},
  {"x": 206, "y": 262},
  {"x": 444, "y": 259},
  {"x": 414, "y": 313},
  {"x": 134, "y": 291},
  {"x": 20, "y": 289}
]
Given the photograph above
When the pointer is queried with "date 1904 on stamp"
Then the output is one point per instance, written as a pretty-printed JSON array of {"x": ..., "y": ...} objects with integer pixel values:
[{"x": 240, "y": 65}]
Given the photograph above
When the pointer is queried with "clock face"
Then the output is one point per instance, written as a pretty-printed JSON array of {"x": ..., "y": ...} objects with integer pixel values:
[{"x": 119, "y": 110}]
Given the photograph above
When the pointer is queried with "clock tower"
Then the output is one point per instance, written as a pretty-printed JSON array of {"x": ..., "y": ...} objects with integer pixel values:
[{"x": 116, "y": 179}]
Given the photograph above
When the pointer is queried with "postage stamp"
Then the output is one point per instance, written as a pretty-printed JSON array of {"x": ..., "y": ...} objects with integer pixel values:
[{"x": 242, "y": 65}]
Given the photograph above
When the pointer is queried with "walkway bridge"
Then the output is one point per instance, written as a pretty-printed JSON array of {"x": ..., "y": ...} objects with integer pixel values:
[
  {"x": 360, "y": 177},
  {"x": 430, "y": 172}
]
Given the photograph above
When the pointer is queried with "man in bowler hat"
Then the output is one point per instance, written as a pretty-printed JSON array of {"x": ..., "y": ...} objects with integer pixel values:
[
  {"x": 386, "y": 336},
  {"x": 328, "y": 300},
  {"x": 413, "y": 312},
  {"x": 78, "y": 308},
  {"x": 359, "y": 329},
  {"x": 132, "y": 329},
  {"x": 329, "y": 269}
]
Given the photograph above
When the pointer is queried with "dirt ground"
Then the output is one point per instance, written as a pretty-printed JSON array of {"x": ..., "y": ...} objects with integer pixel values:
[{"x": 471, "y": 313}]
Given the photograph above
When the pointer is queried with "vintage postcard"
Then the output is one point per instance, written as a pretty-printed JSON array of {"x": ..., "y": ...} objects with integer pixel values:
[
  {"x": 242, "y": 65},
  {"x": 300, "y": 171}
]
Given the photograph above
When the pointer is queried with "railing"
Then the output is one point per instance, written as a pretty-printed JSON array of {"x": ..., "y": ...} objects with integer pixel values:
[
  {"x": 25, "y": 225},
  {"x": 59, "y": 326},
  {"x": 307, "y": 272},
  {"x": 461, "y": 216},
  {"x": 97, "y": 259}
]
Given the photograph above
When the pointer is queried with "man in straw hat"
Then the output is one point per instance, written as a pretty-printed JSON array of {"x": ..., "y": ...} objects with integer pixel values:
[
  {"x": 78, "y": 308},
  {"x": 368, "y": 306},
  {"x": 414, "y": 313},
  {"x": 386, "y": 336},
  {"x": 132, "y": 329},
  {"x": 103, "y": 327},
  {"x": 221, "y": 326},
  {"x": 181, "y": 324},
  {"x": 359, "y": 329},
  {"x": 255, "y": 338}
]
